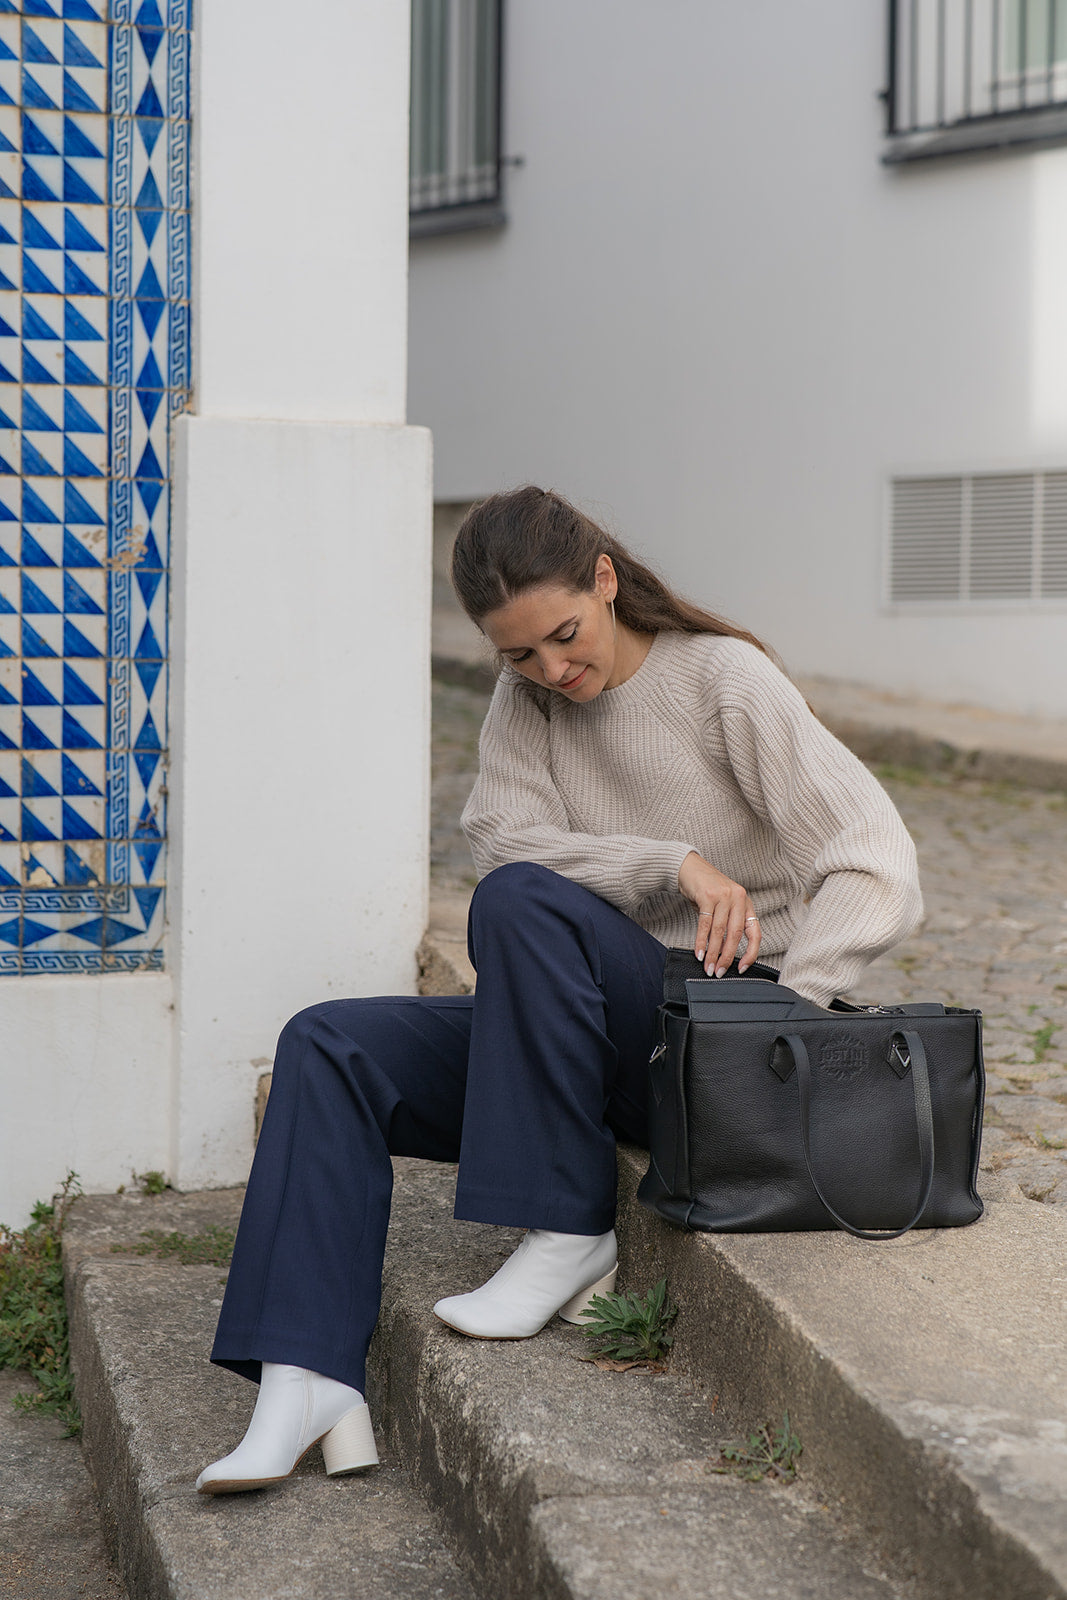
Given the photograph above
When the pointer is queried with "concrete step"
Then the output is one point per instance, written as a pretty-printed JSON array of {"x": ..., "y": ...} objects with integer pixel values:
[
  {"x": 560, "y": 1480},
  {"x": 554, "y": 1478},
  {"x": 927, "y": 1377},
  {"x": 444, "y": 966},
  {"x": 155, "y": 1412}
]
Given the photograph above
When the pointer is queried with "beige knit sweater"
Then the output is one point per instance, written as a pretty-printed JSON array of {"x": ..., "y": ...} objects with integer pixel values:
[{"x": 707, "y": 747}]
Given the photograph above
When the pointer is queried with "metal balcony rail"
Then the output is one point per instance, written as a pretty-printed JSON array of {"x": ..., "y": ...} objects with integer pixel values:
[{"x": 958, "y": 67}]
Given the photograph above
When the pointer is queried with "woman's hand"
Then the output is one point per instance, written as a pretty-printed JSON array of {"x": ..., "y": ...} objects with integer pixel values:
[{"x": 725, "y": 915}]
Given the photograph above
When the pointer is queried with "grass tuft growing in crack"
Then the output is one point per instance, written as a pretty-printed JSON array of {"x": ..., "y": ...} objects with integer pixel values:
[
  {"x": 33, "y": 1313},
  {"x": 151, "y": 1182},
  {"x": 629, "y": 1329},
  {"x": 769, "y": 1452},
  {"x": 1042, "y": 1038},
  {"x": 212, "y": 1247}
]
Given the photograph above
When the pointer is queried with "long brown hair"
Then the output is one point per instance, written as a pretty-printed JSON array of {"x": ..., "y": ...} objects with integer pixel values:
[{"x": 530, "y": 537}]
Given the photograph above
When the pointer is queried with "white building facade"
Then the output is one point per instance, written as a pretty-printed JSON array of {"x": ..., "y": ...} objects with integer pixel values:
[
  {"x": 815, "y": 369},
  {"x": 214, "y": 567}
]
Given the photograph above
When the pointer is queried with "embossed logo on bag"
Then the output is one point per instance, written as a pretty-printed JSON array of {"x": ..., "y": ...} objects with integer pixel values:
[{"x": 843, "y": 1057}]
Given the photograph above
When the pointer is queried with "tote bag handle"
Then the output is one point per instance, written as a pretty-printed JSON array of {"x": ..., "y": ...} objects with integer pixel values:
[{"x": 905, "y": 1053}]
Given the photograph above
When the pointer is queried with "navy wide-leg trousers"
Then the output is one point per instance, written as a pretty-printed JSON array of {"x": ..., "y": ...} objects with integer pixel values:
[{"x": 526, "y": 1084}]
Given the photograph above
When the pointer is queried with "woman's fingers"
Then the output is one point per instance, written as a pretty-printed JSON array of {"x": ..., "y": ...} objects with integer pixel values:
[
  {"x": 735, "y": 929},
  {"x": 722, "y": 909},
  {"x": 754, "y": 935},
  {"x": 720, "y": 929}
]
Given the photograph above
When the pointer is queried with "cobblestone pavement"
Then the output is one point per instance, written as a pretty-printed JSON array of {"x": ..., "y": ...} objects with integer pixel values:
[{"x": 993, "y": 860}]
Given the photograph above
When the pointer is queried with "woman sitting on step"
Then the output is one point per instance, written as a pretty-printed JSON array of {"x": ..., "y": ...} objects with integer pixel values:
[{"x": 648, "y": 778}]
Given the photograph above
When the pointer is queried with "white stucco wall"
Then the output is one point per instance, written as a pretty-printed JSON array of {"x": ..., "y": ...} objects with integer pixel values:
[
  {"x": 299, "y": 714},
  {"x": 301, "y": 209},
  {"x": 300, "y": 699},
  {"x": 300, "y": 703},
  {"x": 85, "y": 1066},
  {"x": 716, "y": 319}
]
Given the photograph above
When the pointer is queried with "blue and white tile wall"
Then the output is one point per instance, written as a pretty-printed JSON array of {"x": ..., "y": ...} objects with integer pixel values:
[{"x": 94, "y": 362}]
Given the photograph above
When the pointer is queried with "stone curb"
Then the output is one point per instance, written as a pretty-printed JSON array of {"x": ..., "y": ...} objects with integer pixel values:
[
  {"x": 873, "y": 739},
  {"x": 464, "y": 674},
  {"x": 927, "y": 1377},
  {"x": 906, "y": 747}
]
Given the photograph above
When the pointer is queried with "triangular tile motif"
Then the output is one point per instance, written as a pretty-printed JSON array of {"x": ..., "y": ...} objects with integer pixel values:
[
  {"x": 34, "y": 692},
  {"x": 76, "y": 644},
  {"x": 77, "y": 873},
  {"x": 98, "y": 358},
  {"x": 33, "y": 555}
]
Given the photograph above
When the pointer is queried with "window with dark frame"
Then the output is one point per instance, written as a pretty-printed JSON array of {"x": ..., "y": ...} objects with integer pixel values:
[
  {"x": 455, "y": 115},
  {"x": 975, "y": 75}
]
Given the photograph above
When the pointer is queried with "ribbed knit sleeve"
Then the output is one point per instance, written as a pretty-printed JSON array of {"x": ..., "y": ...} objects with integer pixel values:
[
  {"x": 838, "y": 827},
  {"x": 516, "y": 813}
]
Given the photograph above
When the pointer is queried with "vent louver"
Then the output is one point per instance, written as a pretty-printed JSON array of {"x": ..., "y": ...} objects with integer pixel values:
[
  {"x": 1054, "y": 537},
  {"x": 982, "y": 536}
]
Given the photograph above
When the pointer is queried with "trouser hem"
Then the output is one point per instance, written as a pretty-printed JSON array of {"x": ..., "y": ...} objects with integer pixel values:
[
  {"x": 504, "y": 1211},
  {"x": 244, "y": 1355}
]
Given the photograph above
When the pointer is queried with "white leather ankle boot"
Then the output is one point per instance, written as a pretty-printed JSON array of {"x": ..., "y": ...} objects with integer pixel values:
[
  {"x": 295, "y": 1410},
  {"x": 549, "y": 1272}
]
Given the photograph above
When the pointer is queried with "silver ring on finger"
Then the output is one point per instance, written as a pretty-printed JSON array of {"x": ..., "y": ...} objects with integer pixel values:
[{"x": 750, "y": 919}]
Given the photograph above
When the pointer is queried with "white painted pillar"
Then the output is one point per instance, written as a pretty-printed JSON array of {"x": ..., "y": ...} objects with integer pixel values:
[{"x": 302, "y": 567}]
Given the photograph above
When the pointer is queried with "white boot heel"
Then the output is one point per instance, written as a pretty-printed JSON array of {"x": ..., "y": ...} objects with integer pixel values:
[
  {"x": 572, "y": 1311},
  {"x": 349, "y": 1444}
]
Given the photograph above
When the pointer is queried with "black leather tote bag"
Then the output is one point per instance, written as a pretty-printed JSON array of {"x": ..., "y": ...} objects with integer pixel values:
[{"x": 768, "y": 1113}]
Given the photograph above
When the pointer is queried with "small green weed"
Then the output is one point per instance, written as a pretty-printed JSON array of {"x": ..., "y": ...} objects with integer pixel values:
[
  {"x": 897, "y": 772},
  {"x": 150, "y": 1182},
  {"x": 1048, "y": 1144},
  {"x": 213, "y": 1247},
  {"x": 1042, "y": 1038},
  {"x": 770, "y": 1452},
  {"x": 33, "y": 1313},
  {"x": 629, "y": 1329}
]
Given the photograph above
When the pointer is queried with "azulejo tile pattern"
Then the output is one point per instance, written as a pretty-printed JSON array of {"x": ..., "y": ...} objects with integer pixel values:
[{"x": 94, "y": 362}]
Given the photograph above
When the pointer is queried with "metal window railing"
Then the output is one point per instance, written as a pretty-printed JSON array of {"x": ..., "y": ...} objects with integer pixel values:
[
  {"x": 975, "y": 74},
  {"x": 455, "y": 113}
]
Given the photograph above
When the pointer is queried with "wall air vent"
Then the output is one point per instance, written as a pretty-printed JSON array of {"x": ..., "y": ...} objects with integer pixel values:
[{"x": 979, "y": 537}]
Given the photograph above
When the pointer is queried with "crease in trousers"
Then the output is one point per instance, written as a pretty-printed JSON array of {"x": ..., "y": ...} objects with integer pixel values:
[{"x": 526, "y": 1083}]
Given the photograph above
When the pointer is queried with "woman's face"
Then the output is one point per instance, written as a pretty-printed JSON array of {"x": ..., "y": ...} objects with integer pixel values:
[{"x": 561, "y": 639}]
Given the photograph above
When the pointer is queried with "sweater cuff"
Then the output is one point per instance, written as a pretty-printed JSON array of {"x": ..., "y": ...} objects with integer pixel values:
[
  {"x": 657, "y": 869},
  {"x": 810, "y": 982}
]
